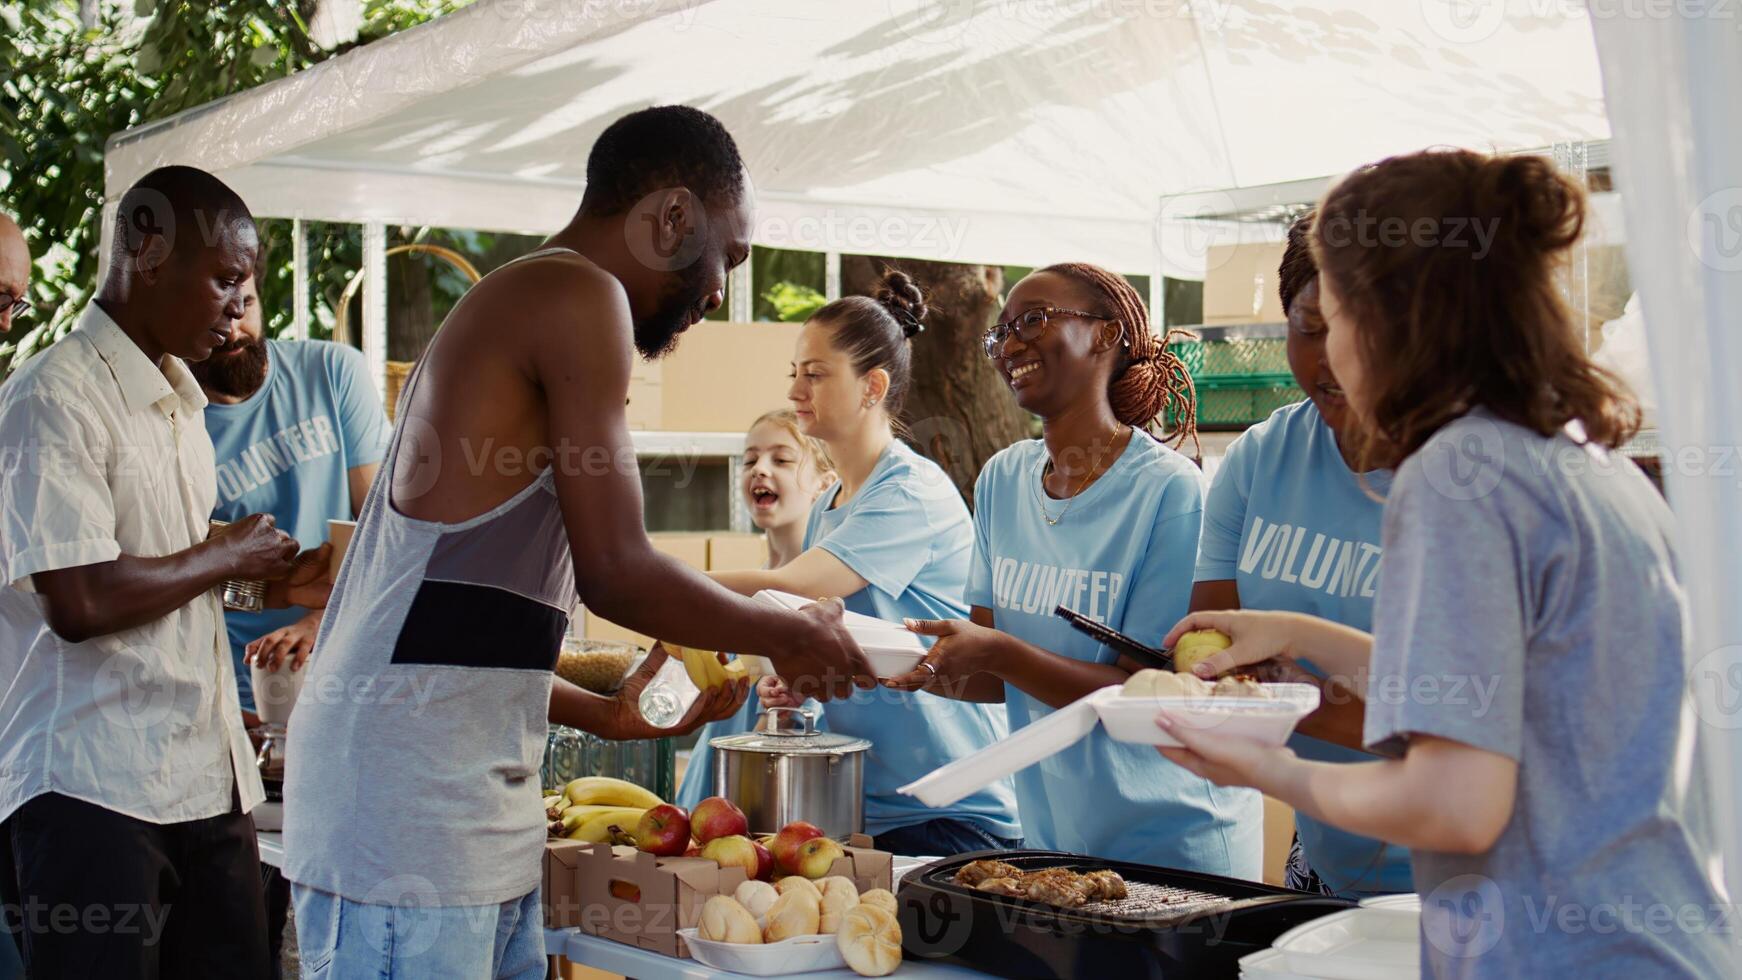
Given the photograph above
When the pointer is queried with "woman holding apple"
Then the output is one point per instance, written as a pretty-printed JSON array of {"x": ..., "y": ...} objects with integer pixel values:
[
  {"x": 1525, "y": 677},
  {"x": 784, "y": 471},
  {"x": 1099, "y": 516},
  {"x": 894, "y": 539}
]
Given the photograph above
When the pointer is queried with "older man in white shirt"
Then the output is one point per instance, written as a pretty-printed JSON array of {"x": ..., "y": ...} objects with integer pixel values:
[{"x": 125, "y": 775}]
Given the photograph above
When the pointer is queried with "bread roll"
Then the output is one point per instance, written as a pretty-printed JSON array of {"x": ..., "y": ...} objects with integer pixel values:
[
  {"x": 797, "y": 913},
  {"x": 839, "y": 883},
  {"x": 881, "y": 898},
  {"x": 869, "y": 940},
  {"x": 756, "y": 896},
  {"x": 838, "y": 897},
  {"x": 1151, "y": 683},
  {"x": 726, "y": 921},
  {"x": 790, "y": 882}
]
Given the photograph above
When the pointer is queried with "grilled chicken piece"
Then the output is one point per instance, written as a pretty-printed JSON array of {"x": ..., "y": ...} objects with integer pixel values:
[
  {"x": 1002, "y": 886},
  {"x": 1239, "y": 686},
  {"x": 974, "y": 872},
  {"x": 1105, "y": 886},
  {"x": 1065, "y": 891}
]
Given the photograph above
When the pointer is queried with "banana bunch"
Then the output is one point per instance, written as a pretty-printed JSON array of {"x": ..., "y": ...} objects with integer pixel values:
[
  {"x": 705, "y": 668},
  {"x": 590, "y": 807}
]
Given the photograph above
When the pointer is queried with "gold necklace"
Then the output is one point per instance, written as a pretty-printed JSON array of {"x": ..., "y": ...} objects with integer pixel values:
[{"x": 1040, "y": 497}]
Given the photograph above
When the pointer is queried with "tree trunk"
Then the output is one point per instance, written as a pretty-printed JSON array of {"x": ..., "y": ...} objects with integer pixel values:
[
  {"x": 410, "y": 310},
  {"x": 959, "y": 411}
]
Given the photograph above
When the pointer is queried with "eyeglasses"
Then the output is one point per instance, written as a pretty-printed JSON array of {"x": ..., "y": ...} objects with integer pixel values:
[
  {"x": 1028, "y": 326},
  {"x": 18, "y": 304}
]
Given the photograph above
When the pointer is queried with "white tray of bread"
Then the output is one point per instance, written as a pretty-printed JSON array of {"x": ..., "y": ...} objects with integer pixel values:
[{"x": 798, "y": 926}]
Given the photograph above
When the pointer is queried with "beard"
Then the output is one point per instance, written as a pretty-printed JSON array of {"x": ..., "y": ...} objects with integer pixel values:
[
  {"x": 656, "y": 334},
  {"x": 236, "y": 370}
]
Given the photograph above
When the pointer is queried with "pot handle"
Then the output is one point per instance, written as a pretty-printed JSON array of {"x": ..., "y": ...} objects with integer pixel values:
[{"x": 773, "y": 716}]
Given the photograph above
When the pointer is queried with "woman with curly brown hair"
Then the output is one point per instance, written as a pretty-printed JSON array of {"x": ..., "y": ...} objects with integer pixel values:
[
  {"x": 1100, "y": 516},
  {"x": 1526, "y": 673}
]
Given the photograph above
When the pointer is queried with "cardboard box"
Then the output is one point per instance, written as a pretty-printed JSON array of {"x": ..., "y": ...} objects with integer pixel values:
[
  {"x": 561, "y": 895},
  {"x": 735, "y": 552},
  {"x": 691, "y": 549},
  {"x": 723, "y": 376},
  {"x": 1240, "y": 284},
  {"x": 642, "y": 901}
]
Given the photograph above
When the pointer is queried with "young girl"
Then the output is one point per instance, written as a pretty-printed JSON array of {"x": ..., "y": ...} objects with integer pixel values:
[
  {"x": 1289, "y": 524},
  {"x": 1527, "y": 664},
  {"x": 783, "y": 471},
  {"x": 894, "y": 539},
  {"x": 1098, "y": 516}
]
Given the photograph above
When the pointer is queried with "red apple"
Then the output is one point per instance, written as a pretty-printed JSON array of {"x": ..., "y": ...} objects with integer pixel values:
[
  {"x": 816, "y": 856},
  {"x": 692, "y": 851},
  {"x": 717, "y": 817},
  {"x": 736, "y": 851},
  {"x": 785, "y": 844},
  {"x": 664, "y": 830},
  {"x": 764, "y": 862}
]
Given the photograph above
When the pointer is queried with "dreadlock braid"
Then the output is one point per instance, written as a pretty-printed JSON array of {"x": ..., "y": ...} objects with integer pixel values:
[{"x": 1150, "y": 379}]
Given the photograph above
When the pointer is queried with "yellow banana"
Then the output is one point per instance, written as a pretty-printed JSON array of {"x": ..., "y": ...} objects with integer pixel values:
[
  {"x": 608, "y": 791},
  {"x": 703, "y": 666},
  {"x": 596, "y": 829},
  {"x": 574, "y": 816},
  {"x": 735, "y": 670}
]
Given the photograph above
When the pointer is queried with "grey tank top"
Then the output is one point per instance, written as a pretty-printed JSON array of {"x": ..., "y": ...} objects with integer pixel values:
[{"x": 412, "y": 773}]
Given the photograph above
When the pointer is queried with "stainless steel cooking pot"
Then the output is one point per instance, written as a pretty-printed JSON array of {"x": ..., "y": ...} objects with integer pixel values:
[{"x": 778, "y": 776}]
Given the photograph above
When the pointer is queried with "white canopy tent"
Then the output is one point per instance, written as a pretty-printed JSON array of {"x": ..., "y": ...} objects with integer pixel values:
[{"x": 1010, "y": 131}]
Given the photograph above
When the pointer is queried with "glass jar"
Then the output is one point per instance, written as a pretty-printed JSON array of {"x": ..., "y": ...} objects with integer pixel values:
[{"x": 570, "y": 753}]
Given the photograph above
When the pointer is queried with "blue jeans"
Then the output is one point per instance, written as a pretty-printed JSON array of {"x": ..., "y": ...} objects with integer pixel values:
[
  {"x": 339, "y": 939},
  {"x": 943, "y": 837}
]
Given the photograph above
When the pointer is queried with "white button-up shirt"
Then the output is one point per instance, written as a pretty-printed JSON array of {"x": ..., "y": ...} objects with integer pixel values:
[{"x": 104, "y": 454}]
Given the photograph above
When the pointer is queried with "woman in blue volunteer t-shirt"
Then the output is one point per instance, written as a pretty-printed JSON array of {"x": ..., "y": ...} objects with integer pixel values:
[
  {"x": 894, "y": 539},
  {"x": 1102, "y": 518},
  {"x": 1289, "y": 525}
]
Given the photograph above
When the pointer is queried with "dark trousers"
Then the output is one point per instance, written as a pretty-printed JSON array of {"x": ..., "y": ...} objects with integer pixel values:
[{"x": 88, "y": 892}]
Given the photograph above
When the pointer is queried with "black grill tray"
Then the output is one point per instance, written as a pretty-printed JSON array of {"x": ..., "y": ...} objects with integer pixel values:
[{"x": 1175, "y": 924}]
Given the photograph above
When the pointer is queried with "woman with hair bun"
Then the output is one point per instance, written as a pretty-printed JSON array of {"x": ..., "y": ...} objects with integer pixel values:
[
  {"x": 1100, "y": 516},
  {"x": 892, "y": 538},
  {"x": 1526, "y": 680}
]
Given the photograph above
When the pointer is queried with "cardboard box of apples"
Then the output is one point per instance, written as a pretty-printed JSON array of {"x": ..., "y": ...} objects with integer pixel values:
[{"x": 643, "y": 884}]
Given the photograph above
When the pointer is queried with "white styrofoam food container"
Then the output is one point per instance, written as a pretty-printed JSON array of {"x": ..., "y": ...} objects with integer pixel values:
[
  {"x": 800, "y": 954},
  {"x": 1269, "y": 720},
  {"x": 1356, "y": 944},
  {"x": 892, "y": 649}
]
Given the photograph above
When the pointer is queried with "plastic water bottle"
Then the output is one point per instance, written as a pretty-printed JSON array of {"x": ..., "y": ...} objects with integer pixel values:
[{"x": 668, "y": 696}]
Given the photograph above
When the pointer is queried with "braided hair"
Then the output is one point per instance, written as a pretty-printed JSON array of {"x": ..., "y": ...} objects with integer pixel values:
[
  {"x": 1297, "y": 268},
  {"x": 1149, "y": 379}
]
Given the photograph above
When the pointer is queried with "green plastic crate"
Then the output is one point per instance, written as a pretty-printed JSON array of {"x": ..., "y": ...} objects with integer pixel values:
[
  {"x": 1251, "y": 359},
  {"x": 1239, "y": 382}
]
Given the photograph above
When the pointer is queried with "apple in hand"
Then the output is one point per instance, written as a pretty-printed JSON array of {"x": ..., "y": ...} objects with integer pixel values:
[
  {"x": 816, "y": 856},
  {"x": 785, "y": 844},
  {"x": 736, "y": 851},
  {"x": 717, "y": 817},
  {"x": 764, "y": 862},
  {"x": 664, "y": 830}
]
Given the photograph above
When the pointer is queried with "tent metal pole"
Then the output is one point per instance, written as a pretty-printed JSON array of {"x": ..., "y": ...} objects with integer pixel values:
[
  {"x": 831, "y": 276},
  {"x": 375, "y": 303},
  {"x": 738, "y": 298},
  {"x": 299, "y": 280}
]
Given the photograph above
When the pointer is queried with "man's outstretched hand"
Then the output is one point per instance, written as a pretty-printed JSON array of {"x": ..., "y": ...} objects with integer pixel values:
[{"x": 817, "y": 658}]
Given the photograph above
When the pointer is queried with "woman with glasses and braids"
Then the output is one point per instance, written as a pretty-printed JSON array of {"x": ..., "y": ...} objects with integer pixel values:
[{"x": 1100, "y": 516}]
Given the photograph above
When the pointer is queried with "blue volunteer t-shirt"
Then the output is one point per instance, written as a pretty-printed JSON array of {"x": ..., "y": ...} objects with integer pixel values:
[
  {"x": 1121, "y": 555},
  {"x": 286, "y": 451},
  {"x": 1290, "y": 524},
  {"x": 908, "y": 534}
]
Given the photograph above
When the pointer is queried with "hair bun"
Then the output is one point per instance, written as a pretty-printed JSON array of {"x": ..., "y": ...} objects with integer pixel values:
[
  {"x": 1540, "y": 203},
  {"x": 904, "y": 300}
]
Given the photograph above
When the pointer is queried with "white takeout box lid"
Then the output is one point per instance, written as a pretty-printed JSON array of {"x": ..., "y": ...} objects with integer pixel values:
[
  {"x": 867, "y": 631},
  {"x": 1129, "y": 720}
]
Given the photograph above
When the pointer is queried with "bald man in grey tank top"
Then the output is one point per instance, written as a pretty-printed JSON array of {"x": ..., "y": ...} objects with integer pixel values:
[{"x": 414, "y": 829}]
